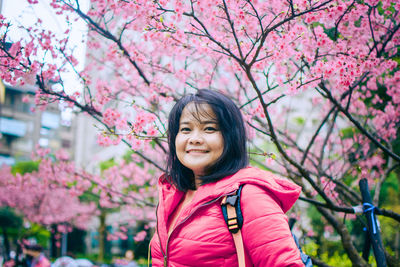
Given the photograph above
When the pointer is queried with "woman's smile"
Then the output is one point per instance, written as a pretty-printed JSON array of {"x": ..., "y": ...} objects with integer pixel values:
[{"x": 193, "y": 151}]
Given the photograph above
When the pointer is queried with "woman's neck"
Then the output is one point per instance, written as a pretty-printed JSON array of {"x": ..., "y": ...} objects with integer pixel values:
[{"x": 197, "y": 182}]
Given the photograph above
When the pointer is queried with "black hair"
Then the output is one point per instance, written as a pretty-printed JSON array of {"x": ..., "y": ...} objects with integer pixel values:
[{"x": 234, "y": 156}]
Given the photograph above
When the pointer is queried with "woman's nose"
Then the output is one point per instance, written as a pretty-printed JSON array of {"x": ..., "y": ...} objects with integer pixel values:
[{"x": 196, "y": 138}]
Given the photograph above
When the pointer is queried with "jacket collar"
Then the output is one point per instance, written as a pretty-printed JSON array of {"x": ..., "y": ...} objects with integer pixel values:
[{"x": 285, "y": 191}]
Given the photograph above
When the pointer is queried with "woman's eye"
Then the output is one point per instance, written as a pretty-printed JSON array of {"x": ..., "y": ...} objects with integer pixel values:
[
  {"x": 185, "y": 129},
  {"x": 210, "y": 129}
]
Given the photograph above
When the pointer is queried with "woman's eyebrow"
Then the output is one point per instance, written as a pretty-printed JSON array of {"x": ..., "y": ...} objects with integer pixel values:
[{"x": 201, "y": 122}]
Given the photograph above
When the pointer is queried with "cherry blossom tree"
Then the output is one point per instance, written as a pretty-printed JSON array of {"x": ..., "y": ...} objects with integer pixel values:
[
  {"x": 43, "y": 198},
  {"x": 317, "y": 82},
  {"x": 60, "y": 194}
]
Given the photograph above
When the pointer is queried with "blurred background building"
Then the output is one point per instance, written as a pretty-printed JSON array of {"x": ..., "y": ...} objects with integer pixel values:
[{"x": 21, "y": 128}]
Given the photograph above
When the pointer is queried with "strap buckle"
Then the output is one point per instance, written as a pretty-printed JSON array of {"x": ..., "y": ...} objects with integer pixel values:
[{"x": 231, "y": 215}]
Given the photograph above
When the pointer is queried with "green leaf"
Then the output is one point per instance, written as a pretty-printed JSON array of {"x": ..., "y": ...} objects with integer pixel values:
[
  {"x": 299, "y": 120},
  {"x": 23, "y": 167}
]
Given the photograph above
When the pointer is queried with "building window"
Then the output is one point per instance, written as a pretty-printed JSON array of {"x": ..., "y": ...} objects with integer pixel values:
[
  {"x": 66, "y": 143},
  {"x": 44, "y": 142}
]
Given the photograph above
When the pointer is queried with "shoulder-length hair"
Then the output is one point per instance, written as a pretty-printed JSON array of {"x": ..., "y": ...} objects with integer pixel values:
[{"x": 234, "y": 156}]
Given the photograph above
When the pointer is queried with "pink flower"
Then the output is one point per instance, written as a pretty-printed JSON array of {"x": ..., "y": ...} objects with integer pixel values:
[
  {"x": 151, "y": 131},
  {"x": 140, "y": 236},
  {"x": 136, "y": 144},
  {"x": 26, "y": 99},
  {"x": 62, "y": 155}
]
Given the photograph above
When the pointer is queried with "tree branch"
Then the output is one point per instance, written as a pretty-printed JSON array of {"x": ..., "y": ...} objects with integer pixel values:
[{"x": 357, "y": 124}]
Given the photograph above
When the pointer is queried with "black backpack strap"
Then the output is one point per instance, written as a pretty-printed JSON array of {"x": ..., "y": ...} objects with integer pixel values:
[
  {"x": 304, "y": 257},
  {"x": 235, "y": 222},
  {"x": 233, "y": 217}
]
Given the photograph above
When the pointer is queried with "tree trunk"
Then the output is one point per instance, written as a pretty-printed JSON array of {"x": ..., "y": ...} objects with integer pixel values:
[
  {"x": 53, "y": 241},
  {"x": 348, "y": 246},
  {"x": 6, "y": 244},
  {"x": 102, "y": 236}
]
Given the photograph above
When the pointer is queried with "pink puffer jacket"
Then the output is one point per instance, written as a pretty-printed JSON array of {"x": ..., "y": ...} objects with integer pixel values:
[{"x": 201, "y": 237}]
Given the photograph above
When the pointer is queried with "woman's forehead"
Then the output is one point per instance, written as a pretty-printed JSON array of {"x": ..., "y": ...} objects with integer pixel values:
[{"x": 199, "y": 112}]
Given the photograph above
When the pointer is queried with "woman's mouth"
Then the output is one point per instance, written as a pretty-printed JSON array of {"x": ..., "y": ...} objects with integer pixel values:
[{"x": 196, "y": 151}]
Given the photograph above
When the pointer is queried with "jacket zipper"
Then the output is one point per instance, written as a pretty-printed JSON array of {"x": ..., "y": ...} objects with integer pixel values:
[
  {"x": 159, "y": 239},
  {"x": 198, "y": 207}
]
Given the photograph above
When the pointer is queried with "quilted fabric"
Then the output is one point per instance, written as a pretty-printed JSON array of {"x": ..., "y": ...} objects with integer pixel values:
[{"x": 201, "y": 237}]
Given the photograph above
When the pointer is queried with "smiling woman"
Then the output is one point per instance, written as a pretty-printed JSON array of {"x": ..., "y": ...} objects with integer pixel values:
[
  {"x": 220, "y": 113},
  {"x": 199, "y": 142},
  {"x": 208, "y": 161}
]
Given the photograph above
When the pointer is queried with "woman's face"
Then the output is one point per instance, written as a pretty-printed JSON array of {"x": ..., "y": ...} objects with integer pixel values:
[{"x": 199, "y": 142}]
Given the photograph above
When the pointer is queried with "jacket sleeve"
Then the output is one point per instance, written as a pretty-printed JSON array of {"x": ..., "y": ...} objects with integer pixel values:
[{"x": 266, "y": 234}]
